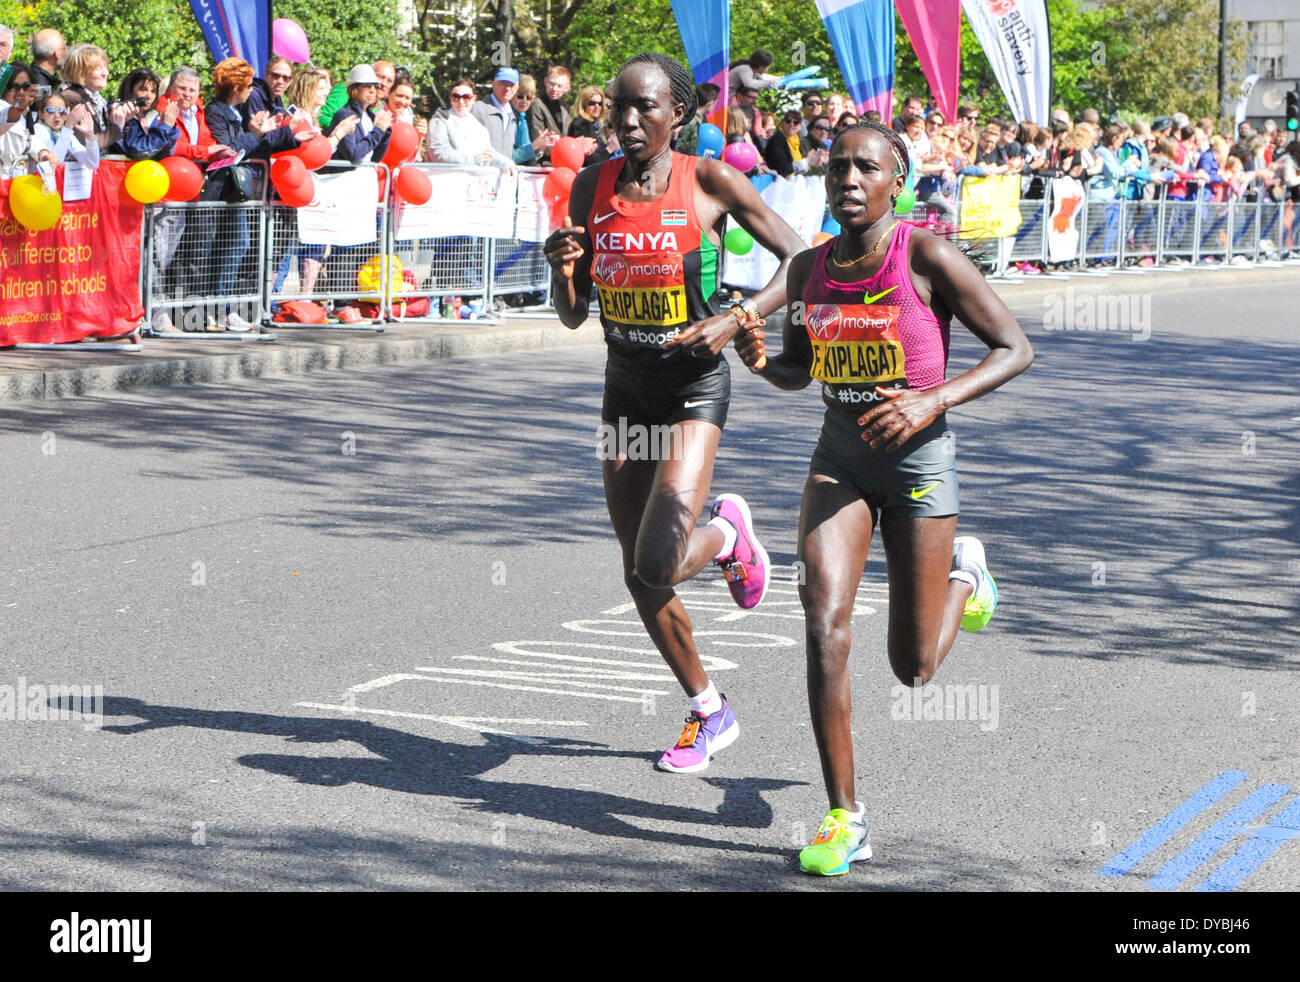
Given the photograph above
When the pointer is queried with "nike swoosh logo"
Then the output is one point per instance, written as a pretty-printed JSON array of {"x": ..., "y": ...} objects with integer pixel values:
[
  {"x": 597, "y": 219},
  {"x": 868, "y": 298},
  {"x": 919, "y": 493},
  {"x": 692, "y": 405}
]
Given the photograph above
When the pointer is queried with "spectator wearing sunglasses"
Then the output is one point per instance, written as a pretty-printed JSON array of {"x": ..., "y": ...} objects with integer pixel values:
[
  {"x": 784, "y": 153},
  {"x": 812, "y": 106},
  {"x": 588, "y": 111},
  {"x": 457, "y": 137},
  {"x": 15, "y": 118},
  {"x": 268, "y": 92},
  {"x": 369, "y": 140},
  {"x": 54, "y": 143}
]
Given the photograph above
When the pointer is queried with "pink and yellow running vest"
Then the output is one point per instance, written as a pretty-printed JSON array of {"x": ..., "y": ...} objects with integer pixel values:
[{"x": 872, "y": 332}]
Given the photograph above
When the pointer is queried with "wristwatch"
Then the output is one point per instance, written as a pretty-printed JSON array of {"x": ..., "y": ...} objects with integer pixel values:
[{"x": 746, "y": 310}]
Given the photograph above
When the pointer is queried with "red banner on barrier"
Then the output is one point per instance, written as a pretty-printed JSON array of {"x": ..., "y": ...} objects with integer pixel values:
[{"x": 81, "y": 277}]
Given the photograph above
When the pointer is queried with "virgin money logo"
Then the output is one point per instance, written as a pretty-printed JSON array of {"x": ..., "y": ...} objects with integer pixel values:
[
  {"x": 610, "y": 269},
  {"x": 823, "y": 321}
]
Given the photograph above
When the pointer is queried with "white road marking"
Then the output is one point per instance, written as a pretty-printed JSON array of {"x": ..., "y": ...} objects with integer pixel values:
[
  {"x": 464, "y": 722},
  {"x": 711, "y": 663},
  {"x": 536, "y": 677}
]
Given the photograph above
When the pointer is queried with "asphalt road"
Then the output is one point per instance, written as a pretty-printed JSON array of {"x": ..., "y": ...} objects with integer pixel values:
[{"x": 367, "y": 630}]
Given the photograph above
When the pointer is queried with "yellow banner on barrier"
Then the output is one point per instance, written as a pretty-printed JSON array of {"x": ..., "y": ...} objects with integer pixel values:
[{"x": 990, "y": 206}]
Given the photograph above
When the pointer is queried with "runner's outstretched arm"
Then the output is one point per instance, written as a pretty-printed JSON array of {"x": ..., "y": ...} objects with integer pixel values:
[
  {"x": 790, "y": 369},
  {"x": 723, "y": 190}
]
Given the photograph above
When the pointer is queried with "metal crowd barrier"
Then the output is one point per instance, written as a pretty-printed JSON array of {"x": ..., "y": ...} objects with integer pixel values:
[
  {"x": 205, "y": 262},
  {"x": 328, "y": 274},
  {"x": 256, "y": 243}
]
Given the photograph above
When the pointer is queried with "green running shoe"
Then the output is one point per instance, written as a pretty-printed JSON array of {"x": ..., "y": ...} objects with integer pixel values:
[
  {"x": 840, "y": 841},
  {"x": 968, "y": 557}
]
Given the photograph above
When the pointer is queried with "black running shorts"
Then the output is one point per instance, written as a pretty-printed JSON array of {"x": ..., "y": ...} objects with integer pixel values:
[{"x": 658, "y": 398}]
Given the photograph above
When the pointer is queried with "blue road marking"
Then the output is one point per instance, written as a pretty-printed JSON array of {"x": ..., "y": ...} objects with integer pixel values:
[
  {"x": 1251, "y": 856},
  {"x": 1162, "y": 831},
  {"x": 1216, "y": 836}
]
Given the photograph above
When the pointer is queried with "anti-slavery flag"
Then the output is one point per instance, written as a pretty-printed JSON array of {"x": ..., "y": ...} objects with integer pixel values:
[
  {"x": 236, "y": 29},
  {"x": 934, "y": 28},
  {"x": 862, "y": 35},
  {"x": 79, "y": 278},
  {"x": 705, "y": 27},
  {"x": 1018, "y": 42}
]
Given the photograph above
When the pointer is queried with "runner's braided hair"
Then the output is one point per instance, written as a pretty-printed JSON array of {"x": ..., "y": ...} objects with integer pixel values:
[
  {"x": 681, "y": 84},
  {"x": 896, "y": 143}
]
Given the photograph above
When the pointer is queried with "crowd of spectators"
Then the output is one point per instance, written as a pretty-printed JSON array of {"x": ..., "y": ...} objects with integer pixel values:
[{"x": 57, "y": 108}]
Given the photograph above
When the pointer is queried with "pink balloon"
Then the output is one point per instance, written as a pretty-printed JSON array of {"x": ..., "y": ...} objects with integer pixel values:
[
  {"x": 742, "y": 156},
  {"x": 289, "y": 40}
]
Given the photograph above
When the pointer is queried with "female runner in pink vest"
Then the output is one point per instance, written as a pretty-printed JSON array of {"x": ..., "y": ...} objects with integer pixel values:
[
  {"x": 868, "y": 318},
  {"x": 645, "y": 237}
]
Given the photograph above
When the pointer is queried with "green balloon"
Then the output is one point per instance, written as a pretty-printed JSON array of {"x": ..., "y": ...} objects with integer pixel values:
[
  {"x": 738, "y": 242},
  {"x": 905, "y": 202}
]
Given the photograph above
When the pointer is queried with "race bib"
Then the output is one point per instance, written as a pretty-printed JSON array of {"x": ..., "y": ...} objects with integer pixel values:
[
  {"x": 644, "y": 295},
  {"x": 856, "y": 344}
]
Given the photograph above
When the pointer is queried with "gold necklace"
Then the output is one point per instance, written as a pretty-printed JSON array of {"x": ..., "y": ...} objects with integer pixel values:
[{"x": 874, "y": 249}]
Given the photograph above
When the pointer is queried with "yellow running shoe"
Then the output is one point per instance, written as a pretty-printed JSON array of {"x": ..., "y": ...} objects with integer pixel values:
[{"x": 840, "y": 841}]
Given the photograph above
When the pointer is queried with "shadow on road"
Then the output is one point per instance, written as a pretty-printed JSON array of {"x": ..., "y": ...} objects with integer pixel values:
[{"x": 1137, "y": 498}]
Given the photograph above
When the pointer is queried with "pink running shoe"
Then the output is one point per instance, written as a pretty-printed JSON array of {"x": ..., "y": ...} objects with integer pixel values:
[
  {"x": 746, "y": 569},
  {"x": 702, "y": 737}
]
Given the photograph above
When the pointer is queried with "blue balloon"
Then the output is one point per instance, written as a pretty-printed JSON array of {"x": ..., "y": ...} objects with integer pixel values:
[
  {"x": 710, "y": 141},
  {"x": 831, "y": 227},
  {"x": 761, "y": 182}
]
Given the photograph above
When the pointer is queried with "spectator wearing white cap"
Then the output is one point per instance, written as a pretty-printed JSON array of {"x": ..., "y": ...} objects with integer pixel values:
[
  {"x": 369, "y": 140},
  {"x": 496, "y": 113}
]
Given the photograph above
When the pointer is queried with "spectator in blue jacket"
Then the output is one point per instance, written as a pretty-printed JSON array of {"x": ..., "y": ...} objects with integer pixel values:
[
  {"x": 369, "y": 141},
  {"x": 263, "y": 136},
  {"x": 268, "y": 91},
  {"x": 147, "y": 135}
]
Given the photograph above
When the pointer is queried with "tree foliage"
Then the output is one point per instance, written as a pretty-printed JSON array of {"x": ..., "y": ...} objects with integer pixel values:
[{"x": 157, "y": 34}]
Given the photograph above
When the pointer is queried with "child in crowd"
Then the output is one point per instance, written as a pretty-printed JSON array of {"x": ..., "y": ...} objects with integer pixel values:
[{"x": 54, "y": 143}]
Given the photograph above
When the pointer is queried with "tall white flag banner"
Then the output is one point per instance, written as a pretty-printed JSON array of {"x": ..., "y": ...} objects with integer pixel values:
[{"x": 1018, "y": 42}]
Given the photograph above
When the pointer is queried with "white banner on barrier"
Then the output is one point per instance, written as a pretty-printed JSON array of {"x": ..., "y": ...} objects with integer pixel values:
[
  {"x": 1062, "y": 227},
  {"x": 801, "y": 201},
  {"x": 477, "y": 201},
  {"x": 533, "y": 219},
  {"x": 343, "y": 212}
]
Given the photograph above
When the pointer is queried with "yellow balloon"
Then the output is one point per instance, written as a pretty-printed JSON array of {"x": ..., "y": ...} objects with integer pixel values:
[
  {"x": 30, "y": 204},
  {"x": 147, "y": 181}
]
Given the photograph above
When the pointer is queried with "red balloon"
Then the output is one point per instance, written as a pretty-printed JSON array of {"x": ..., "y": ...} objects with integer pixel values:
[
  {"x": 382, "y": 178},
  {"x": 567, "y": 152},
  {"x": 186, "y": 178},
  {"x": 303, "y": 194},
  {"x": 559, "y": 183},
  {"x": 287, "y": 173},
  {"x": 315, "y": 153},
  {"x": 413, "y": 185},
  {"x": 402, "y": 143},
  {"x": 297, "y": 124}
]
